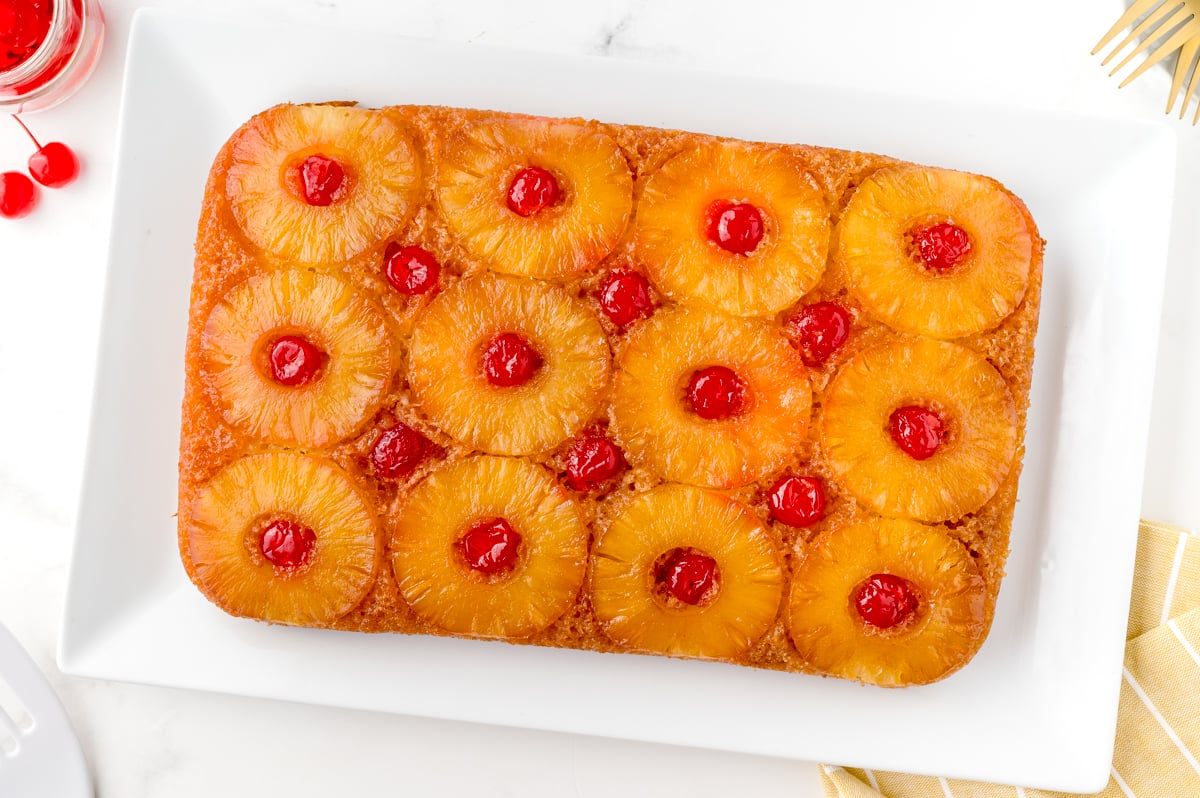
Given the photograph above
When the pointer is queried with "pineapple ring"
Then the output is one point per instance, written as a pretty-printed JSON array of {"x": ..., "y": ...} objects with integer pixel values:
[
  {"x": 679, "y": 516},
  {"x": 447, "y": 378},
  {"x": 347, "y": 326},
  {"x": 945, "y": 632},
  {"x": 229, "y": 566},
  {"x": 660, "y": 432},
  {"x": 672, "y": 242},
  {"x": 969, "y": 395},
  {"x": 551, "y": 559},
  {"x": 382, "y": 168},
  {"x": 898, "y": 289},
  {"x": 480, "y": 161}
]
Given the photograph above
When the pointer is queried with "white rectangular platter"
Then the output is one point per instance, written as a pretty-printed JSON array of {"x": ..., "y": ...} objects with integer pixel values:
[{"x": 1036, "y": 707}]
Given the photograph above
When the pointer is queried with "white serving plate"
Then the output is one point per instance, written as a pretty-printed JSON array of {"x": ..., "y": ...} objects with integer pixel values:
[{"x": 1036, "y": 707}]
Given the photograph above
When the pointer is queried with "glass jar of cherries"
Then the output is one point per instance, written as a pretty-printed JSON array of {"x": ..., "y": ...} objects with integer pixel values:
[{"x": 47, "y": 50}]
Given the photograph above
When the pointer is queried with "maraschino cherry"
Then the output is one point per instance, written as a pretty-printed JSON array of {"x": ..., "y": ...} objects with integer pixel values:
[
  {"x": 294, "y": 361},
  {"x": 735, "y": 227},
  {"x": 321, "y": 180},
  {"x": 411, "y": 270},
  {"x": 17, "y": 195},
  {"x": 716, "y": 393},
  {"x": 689, "y": 576},
  {"x": 509, "y": 360},
  {"x": 797, "y": 501},
  {"x": 624, "y": 296},
  {"x": 399, "y": 450},
  {"x": 287, "y": 544},
  {"x": 591, "y": 461},
  {"x": 490, "y": 546},
  {"x": 942, "y": 246},
  {"x": 53, "y": 165},
  {"x": 23, "y": 28},
  {"x": 818, "y": 330},
  {"x": 885, "y": 600},
  {"x": 917, "y": 430},
  {"x": 532, "y": 190}
]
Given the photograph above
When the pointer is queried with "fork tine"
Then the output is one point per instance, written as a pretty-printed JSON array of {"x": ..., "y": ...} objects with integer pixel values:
[
  {"x": 1192, "y": 86},
  {"x": 1132, "y": 13},
  {"x": 1172, "y": 44},
  {"x": 1190, "y": 92},
  {"x": 1144, "y": 27},
  {"x": 1187, "y": 54}
]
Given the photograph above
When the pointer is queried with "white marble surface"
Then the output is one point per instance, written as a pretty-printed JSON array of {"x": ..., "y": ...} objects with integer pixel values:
[{"x": 160, "y": 743}]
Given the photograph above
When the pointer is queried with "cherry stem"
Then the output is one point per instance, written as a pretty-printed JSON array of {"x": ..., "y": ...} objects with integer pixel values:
[{"x": 28, "y": 132}]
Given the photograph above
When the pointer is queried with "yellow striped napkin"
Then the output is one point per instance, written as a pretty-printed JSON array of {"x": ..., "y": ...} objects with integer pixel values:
[{"x": 1158, "y": 722}]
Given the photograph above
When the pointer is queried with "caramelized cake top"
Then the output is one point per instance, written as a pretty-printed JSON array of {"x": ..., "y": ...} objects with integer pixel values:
[{"x": 602, "y": 386}]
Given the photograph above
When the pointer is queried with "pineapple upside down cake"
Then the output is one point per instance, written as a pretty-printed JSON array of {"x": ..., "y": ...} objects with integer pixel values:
[{"x": 606, "y": 387}]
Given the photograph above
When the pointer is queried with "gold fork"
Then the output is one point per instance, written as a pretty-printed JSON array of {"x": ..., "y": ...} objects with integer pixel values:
[{"x": 1166, "y": 27}]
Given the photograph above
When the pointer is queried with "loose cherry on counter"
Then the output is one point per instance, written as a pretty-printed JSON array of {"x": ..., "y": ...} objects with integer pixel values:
[
  {"x": 509, "y": 360},
  {"x": 17, "y": 195},
  {"x": 885, "y": 600},
  {"x": 624, "y": 296},
  {"x": 53, "y": 165},
  {"x": 398, "y": 451},
  {"x": 411, "y": 270},
  {"x": 591, "y": 461},
  {"x": 818, "y": 330},
  {"x": 735, "y": 227},
  {"x": 716, "y": 393},
  {"x": 490, "y": 546},
  {"x": 687, "y": 575},
  {"x": 287, "y": 544},
  {"x": 321, "y": 180},
  {"x": 917, "y": 430},
  {"x": 294, "y": 360},
  {"x": 942, "y": 246},
  {"x": 532, "y": 190},
  {"x": 797, "y": 501}
]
